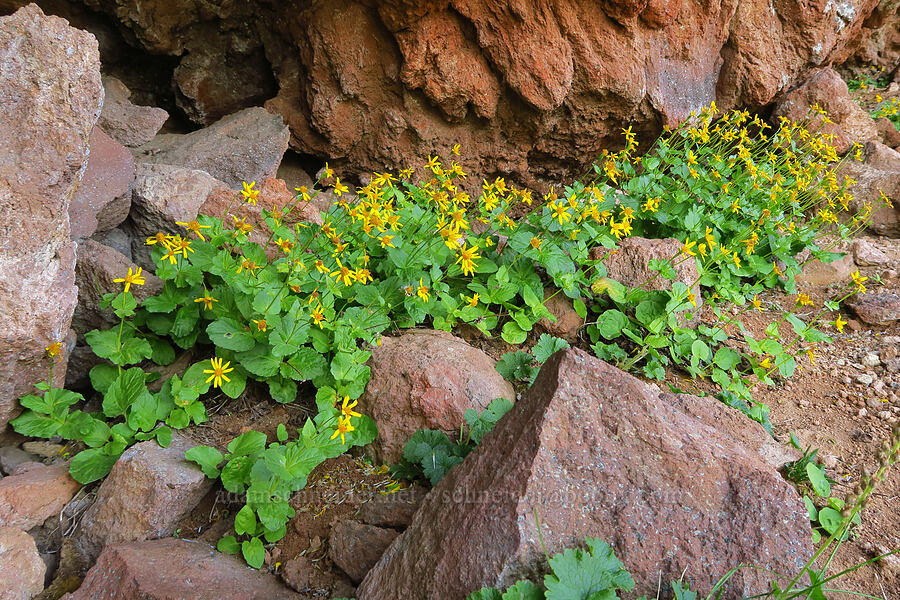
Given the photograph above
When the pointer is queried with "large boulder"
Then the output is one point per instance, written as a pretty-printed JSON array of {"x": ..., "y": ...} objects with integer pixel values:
[
  {"x": 21, "y": 567},
  {"x": 878, "y": 173},
  {"x": 103, "y": 200},
  {"x": 97, "y": 266},
  {"x": 173, "y": 568},
  {"x": 533, "y": 89},
  {"x": 593, "y": 451},
  {"x": 426, "y": 379},
  {"x": 27, "y": 499},
  {"x": 148, "y": 492},
  {"x": 51, "y": 95},
  {"x": 245, "y": 146},
  {"x": 828, "y": 91}
]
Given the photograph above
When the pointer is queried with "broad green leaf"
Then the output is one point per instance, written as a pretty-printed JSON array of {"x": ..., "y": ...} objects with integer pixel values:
[
  {"x": 228, "y": 545},
  {"x": 208, "y": 458},
  {"x": 253, "y": 552},
  {"x": 125, "y": 390},
  {"x": 818, "y": 480},
  {"x": 228, "y": 333},
  {"x": 512, "y": 333},
  {"x": 91, "y": 464},
  {"x": 245, "y": 521},
  {"x": 611, "y": 323},
  {"x": 247, "y": 443}
]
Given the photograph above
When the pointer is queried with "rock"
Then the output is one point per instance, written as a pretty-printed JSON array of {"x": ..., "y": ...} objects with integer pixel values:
[
  {"x": 308, "y": 577},
  {"x": 887, "y": 133},
  {"x": 865, "y": 379},
  {"x": 95, "y": 270},
  {"x": 245, "y": 146},
  {"x": 29, "y": 498},
  {"x": 129, "y": 124},
  {"x": 876, "y": 309},
  {"x": 628, "y": 264},
  {"x": 103, "y": 200},
  {"x": 828, "y": 91},
  {"x": 393, "y": 510},
  {"x": 596, "y": 452},
  {"x": 11, "y": 457},
  {"x": 161, "y": 196},
  {"x": 870, "y": 360},
  {"x": 425, "y": 379},
  {"x": 51, "y": 94},
  {"x": 830, "y": 461},
  {"x": 568, "y": 323},
  {"x": 149, "y": 490},
  {"x": 173, "y": 568},
  {"x": 878, "y": 173},
  {"x": 116, "y": 239},
  {"x": 867, "y": 254},
  {"x": 356, "y": 547},
  {"x": 815, "y": 272},
  {"x": 21, "y": 567},
  {"x": 533, "y": 89},
  {"x": 44, "y": 449}
]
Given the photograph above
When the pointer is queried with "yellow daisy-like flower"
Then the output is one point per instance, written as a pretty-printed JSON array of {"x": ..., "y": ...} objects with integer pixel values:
[
  {"x": 344, "y": 427},
  {"x": 318, "y": 316},
  {"x": 261, "y": 325},
  {"x": 422, "y": 291},
  {"x": 804, "y": 300},
  {"x": 466, "y": 259},
  {"x": 344, "y": 274},
  {"x": 472, "y": 300},
  {"x": 249, "y": 193},
  {"x": 858, "y": 281},
  {"x": 347, "y": 408},
  {"x": 207, "y": 301},
  {"x": 132, "y": 278},
  {"x": 687, "y": 248},
  {"x": 193, "y": 226},
  {"x": 218, "y": 372},
  {"x": 839, "y": 324},
  {"x": 53, "y": 349}
]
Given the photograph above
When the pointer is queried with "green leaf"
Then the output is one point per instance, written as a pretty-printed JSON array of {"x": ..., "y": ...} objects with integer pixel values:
[
  {"x": 142, "y": 412},
  {"x": 259, "y": 361},
  {"x": 818, "y": 480},
  {"x": 91, "y": 464},
  {"x": 830, "y": 519},
  {"x": 253, "y": 552},
  {"x": 547, "y": 346},
  {"x": 83, "y": 426},
  {"x": 281, "y": 433},
  {"x": 229, "y": 334},
  {"x": 481, "y": 424},
  {"x": 185, "y": 320},
  {"x": 305, "y": 364},
  {"x": 282, "y": 390},
  {"x": 102, "y": 376},
  {"x": 178, "y": 418},
  {"x": 208, "y": 458},
  {"x": 163, "y": 436},
  {"x": 236, "y": 473},
  {"x": 611, "y": 323},
  {"x": 515, "y": 366},
  {"x": 35, "y": 424},
  {"x": 162, "y": 351},
  {"x": 235, "y": 384},
  {"x": 512, "y": 333},
  {"x": 581, "y": 573},
  {"x": 228, "y": 545},
  {"x": 123, "y": 305},
  {"x": 580, "y": 308},
  {"x": 726, "y": 358},
  {"x": 245, "y": 521},
  {"x": 700, "y": 350},
  {"x": 247, "y": 443},
  {"x": 124, "y": 391}
]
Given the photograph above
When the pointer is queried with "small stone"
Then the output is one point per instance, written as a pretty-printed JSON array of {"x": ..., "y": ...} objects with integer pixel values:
[
  {"x": 885, "y": 415},
  {"x": 11, "y": 457},
  {"x": 356, "y": 547},
  {"x": 829, "y": 461},
  {"x": 870, "y": 360},
  {"x": 846, "y": 380},
  {"x": 864, "y": 379},
  {"x": 867, "y": 254},
  {"x": 43, "y": 449},
  {"x": 876, "y": 308},
  {"x": 28, "y": 499},
  {"x": 862, "y": 412}
]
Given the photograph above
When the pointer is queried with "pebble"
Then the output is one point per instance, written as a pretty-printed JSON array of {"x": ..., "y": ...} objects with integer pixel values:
[
  {"x": 862, "y": 412},
  {"x": 829, "y": 461},
  {"x": 871, "y": 360},
  {"x": 846, "y": 380},
  {"x": 865, "y": 379}
]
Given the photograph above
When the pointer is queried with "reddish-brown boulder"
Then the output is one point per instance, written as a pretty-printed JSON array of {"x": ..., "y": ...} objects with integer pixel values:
[
  {"x": 29, "y": 497},
  {"x": 147, "y": 493},
  {"x": 97, "y": 266},
  {"x": 887, "y": 132},
  {"x": 426, "y": 379},
  {"x": 245, "y": 146},
  {"x": 393, "y": 510},
  {"x": 827, "y": 90},
  {"x": 877, "y": 174},
  {"x": 51, "y": 95},
  {"x": 173, "y": 568},
  {"x": 102, "y": 201},
  {"x": 567, "y": 323},
  {"x": 355, "y": 547},
  {"x": 593, "y": 451},
  {"x": 533, "y": 90},
  {"x": 21, "y": 567},
  {"x": 876, "y": 308}
]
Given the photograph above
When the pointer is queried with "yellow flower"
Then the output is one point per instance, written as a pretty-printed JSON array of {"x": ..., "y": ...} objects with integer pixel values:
[
  {"x": 560, "y": 212},
  {"x": 329, "y": 172},
  {"x": 692, "y": 299},
  {"x": 756, "y": 303},
  {"x": 285, "y": 245},
  {"x": 473, "y": 300},
  {"x": 812, "y": 357},
  {"x": 858, "y": 280},
  {"x": 347, "y": 408},
  {"x": 54, "y": 349},
  {"x": 686, "y": 249},
  {"x": 422, "y": 291},
  {"x": 249, "y": 265},
  {"x": 261, "y": 325},
  {"x": 710, "y": 240},
  {"x": 466, "y": 259},
  {"x": 455, "y": 149},
  {"x": 250, "y": 195},
  {"x": 344, "y": 427},
  {"x": 363, "y": 275},
  {"x": 193, "y": 226},
  {"x": 160, "y": 238},
  {"x": 839, "y": 323},
  {"x": 134, "y": 278},
  {"x": 183, "y": 245},
  {"x": 207, "y": 301},
  {"x": 386, "y": 241},
  {"x": 765, "y": 363},
  {"x": 339, "y": 188},
  {"x": 321, "y": 268},
  {"x": 344, "y": 274},
  {"x": 536, "y": 243},
  {"x": 804, "y": 300},
  {"x": 218, "y": 372},
  {"x": 241, "y": 226},
  {"x": 317, "y": 316}
]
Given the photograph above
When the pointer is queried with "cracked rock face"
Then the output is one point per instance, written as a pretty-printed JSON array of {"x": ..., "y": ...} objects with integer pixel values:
[{"x": 532, "y": 90}]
